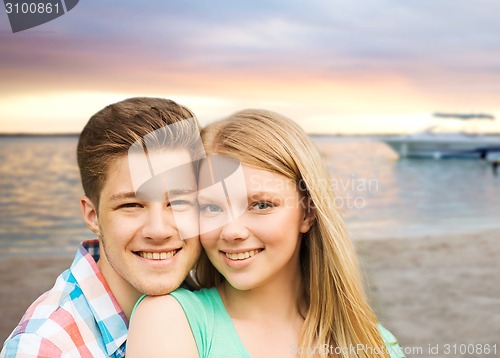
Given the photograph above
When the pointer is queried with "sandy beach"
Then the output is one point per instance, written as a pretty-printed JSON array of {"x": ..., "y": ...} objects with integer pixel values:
[
  {"x": 437, "y": 291},
  {"x": 429, "y": 291}
]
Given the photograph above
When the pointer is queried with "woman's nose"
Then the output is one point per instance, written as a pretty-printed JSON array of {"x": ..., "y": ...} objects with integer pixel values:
[{"x": 235, "y": 230}]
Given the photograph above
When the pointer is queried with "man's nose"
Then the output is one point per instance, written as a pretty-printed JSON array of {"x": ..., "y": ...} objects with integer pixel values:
[{"x": 160, "y": 222}]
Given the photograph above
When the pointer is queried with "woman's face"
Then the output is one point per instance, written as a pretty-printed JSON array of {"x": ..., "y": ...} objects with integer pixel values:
[{"x": 253, "y": 236}]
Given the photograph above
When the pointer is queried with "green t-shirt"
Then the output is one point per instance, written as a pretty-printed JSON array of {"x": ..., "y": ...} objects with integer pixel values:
[{"x": 215, "y": 334}]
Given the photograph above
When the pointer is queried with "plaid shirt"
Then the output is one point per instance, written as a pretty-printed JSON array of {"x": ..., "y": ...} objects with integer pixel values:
[{"x": 78, "y": 317}]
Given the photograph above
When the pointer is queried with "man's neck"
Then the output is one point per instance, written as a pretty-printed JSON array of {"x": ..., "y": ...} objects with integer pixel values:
[{"x": 124, "y": 293}]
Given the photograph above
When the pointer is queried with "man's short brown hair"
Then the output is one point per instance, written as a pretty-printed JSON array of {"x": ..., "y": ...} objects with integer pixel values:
[{"x": 110, "y": 133}]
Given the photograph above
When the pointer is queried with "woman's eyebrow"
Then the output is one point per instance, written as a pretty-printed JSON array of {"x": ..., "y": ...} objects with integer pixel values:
[{"x": 262, "y": 193}]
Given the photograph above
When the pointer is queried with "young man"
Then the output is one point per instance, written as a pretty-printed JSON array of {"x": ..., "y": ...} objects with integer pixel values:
[{"x": 145, "y": 238}]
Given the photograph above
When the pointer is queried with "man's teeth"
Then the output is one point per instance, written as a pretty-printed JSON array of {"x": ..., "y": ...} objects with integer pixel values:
[
  {"x": 157, "y": 255},
  {"x": 241, "y": 255}
]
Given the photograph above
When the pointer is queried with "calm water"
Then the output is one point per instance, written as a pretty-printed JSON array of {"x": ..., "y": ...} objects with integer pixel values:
[{"x": 379, "y": 195}]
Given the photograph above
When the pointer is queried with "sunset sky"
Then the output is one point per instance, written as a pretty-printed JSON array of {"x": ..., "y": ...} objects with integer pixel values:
[{"x": 333, "y": 66}]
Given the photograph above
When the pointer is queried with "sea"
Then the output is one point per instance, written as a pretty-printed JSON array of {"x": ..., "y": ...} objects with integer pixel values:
[{"x": 379, "y": 195}]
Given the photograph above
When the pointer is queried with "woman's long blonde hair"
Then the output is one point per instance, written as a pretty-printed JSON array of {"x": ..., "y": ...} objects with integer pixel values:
[{"x": 338, "y": 312}]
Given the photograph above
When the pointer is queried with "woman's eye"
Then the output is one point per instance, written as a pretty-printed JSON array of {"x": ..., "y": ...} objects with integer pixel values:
[{"x": 261, "y": 206}]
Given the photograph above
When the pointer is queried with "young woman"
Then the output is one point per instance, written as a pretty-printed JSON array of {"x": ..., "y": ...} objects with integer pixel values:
[{"x": 280, "y": 271}]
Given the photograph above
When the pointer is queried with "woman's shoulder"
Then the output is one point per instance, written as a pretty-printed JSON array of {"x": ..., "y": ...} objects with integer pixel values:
[
  {"x": 194, "y": 303},
  {"x": 203, "y": 293},
  {"x": 205, "y": 297},
  {"x": 154, "y": 302},
  {"x": 387, "y": 336},
  {"x": 391, "y": 343},
  {"x": 160, "y": 324},
  {"x": 201, "y": 307}
]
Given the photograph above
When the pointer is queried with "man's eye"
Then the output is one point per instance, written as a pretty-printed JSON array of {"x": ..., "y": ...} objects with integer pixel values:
[
  {"x": 210, "y": 209},
  {"x": 179, "y": 202},
  {"x": 181, "y": 205},
  {"x": 130, "y": 205}
]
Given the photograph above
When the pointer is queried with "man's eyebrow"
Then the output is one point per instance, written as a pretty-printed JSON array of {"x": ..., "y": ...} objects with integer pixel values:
[
  {"x": 182, "y": 191},
  {"x": 209, "y": 197},
  {"x": 121, "y": 196},
  {"x": 132, "y": 195}
]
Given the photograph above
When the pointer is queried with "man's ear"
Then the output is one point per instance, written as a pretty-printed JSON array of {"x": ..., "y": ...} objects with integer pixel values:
[
  {"x": 89, "y": 214},
  {"x": 309, "y": 218}
]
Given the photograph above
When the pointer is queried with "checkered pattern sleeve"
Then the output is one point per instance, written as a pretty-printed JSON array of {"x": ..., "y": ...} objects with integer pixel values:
[
  {"x": 29, "y": 345},
  {"x": 78, "y": 317}
]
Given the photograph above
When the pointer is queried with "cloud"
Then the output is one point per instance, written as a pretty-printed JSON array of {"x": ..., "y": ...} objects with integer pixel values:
[
  {"x": 379, "y": 53},
  {"x": 324, "y": 36}
]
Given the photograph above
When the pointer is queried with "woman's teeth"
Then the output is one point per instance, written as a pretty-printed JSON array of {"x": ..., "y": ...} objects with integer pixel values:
[{"x": 241, "y": 255}]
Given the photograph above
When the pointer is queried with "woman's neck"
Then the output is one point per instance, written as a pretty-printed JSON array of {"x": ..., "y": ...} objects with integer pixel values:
[
  {"x": 276, "y": 300},
  {"x": 268, "y": 319}
]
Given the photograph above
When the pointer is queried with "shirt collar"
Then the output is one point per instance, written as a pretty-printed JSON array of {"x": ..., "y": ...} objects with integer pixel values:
[{"x": 110, "y": 318}]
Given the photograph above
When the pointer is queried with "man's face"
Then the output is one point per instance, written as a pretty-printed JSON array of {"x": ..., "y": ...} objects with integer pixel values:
[{"x": 141, "y": 246}]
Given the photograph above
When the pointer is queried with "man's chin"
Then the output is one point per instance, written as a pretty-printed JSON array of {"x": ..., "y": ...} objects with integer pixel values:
[{"x": 155, "y": 291}]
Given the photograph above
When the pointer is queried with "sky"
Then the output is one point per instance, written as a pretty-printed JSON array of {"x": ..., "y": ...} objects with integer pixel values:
[{"x": 378, "y": 66}]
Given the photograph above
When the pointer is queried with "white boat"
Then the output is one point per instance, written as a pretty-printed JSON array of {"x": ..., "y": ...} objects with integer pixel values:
[
  {"x": 435, "y": 142},
  {"x": 493, "y": 157}
]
